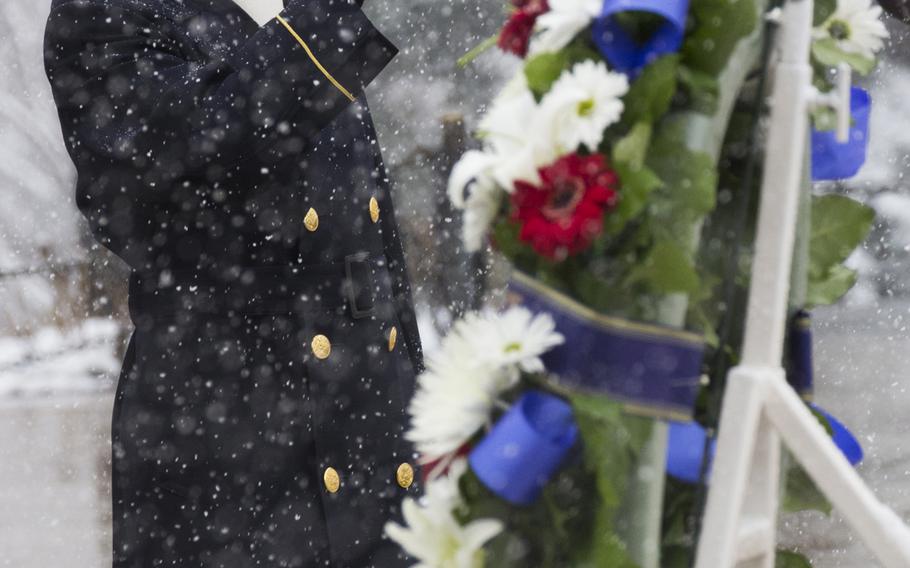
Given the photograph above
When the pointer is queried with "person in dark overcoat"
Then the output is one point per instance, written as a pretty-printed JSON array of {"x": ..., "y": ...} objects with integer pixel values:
[{"x": 259, "y": 413}]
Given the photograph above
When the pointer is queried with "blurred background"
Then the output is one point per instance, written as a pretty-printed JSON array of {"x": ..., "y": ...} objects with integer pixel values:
[{"x": 64, "y": 324}]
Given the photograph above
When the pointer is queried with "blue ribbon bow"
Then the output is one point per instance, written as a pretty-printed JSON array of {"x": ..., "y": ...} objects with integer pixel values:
[
  {"x": 832, "y": 160},
  {"x": 622, "y": 51},
  {"x": 652, "y": 370},
  {"x": 519, "y": 455}
]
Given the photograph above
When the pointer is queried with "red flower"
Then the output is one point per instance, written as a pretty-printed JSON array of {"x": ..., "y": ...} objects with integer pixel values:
[
  {"x": 442, "y": 464},
  {"x": 565, "y": 214},
  {"x": 516, "y": 34}
]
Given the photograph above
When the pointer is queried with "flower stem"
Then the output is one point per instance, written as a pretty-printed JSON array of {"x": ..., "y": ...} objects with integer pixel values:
[{"x": 477, "y": 50}]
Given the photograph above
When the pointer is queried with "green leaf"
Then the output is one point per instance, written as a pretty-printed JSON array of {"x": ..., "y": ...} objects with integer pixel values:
[
  {"x": 542, "y": 70},
  {"x": 702, "y": 89},
  {"x": 632, "y": 149},
  {"x": 801, "y": 494},
  {"x": 789, "y": 559},
  {"x": 689, "y": 183},
  {"x": 666, "y": 269},
  {"x": 636, "y": 187},
  {"x": 649, "y": 96},
  {"x": 611, "y": 443},
  {"x": 826, "y": 291},
  {"x": 826, "y": 52},
  {"x": 823, "y": 11},
  {"x": 824, "y": 118},
  {"x": 719, "y": 25},
  {"x": 839, "y": 225}
]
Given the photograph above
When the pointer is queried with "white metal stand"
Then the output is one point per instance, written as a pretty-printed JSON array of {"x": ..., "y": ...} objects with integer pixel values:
[{"x": 760, "y": 409}]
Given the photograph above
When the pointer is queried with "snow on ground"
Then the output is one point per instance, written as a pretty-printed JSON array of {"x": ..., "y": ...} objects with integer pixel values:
[{"x": 53, "y": 361}]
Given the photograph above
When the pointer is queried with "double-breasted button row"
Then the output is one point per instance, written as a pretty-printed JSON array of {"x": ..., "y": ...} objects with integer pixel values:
[
  {"x": 311, "y": 219},
  {"x": 404, "y": 475}
]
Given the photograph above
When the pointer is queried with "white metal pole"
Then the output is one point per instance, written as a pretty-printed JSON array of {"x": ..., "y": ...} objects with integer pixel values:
[
  {"x": 769, "y": 290},
  {"x": 740, "y": 515},
  {"x": 759, "y": 406}
]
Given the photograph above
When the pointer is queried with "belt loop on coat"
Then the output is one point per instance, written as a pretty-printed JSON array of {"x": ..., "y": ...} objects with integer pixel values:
[{"x": 359, "y": 284}]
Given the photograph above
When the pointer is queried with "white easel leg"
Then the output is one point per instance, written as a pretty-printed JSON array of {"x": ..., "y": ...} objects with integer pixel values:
[
  {"x": 743, "y": 443},
  {"x": 876, "y": 524}
]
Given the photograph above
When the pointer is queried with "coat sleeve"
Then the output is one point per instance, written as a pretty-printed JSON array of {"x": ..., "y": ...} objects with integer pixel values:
[{"x": 130, "y": 90}]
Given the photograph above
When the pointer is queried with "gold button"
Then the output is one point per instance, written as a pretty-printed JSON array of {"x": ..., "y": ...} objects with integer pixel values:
[
  {"x": 405, "y": 475},
  {"x": 331, "y": 479},
  {"x": 321, "y": 346},
  {"x": 311, "y": 220},
  {"x": 393, "y": 336},
  {"x": 374, "y": 209}
]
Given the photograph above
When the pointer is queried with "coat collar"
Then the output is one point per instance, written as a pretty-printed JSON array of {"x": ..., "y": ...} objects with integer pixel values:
[{"x": 228, "y": 8}]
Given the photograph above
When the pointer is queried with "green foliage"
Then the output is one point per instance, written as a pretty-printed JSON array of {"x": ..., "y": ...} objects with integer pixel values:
[
  {"x": 832, "y": 287},
  {"x": 719, "y": 25},
  {"x": 690, "y": 182},
  {"x": 542, "y": 70},
  {"x": 578, "y": 509},
  {"x": 637, "y": 185},
  {"x": 650, "y": 94},
  {"x": 827, "y": 52},
  {"x": 701, "y": 90},
  {"x": 839, "y": 225},
  {"x": 823, "y": 10},
  {"x": 789, "y": 559},
  {"x": 632, "y": 149},
  {"x": 801, "y": 494},
  {"x": 665, "y": 270},
  {"x": 612, "y": 442}
]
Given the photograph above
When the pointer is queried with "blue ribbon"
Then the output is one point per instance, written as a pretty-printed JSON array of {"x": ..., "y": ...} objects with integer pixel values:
[
  {"x": 832, "y": 160},
  {"x": 519, "y": 455},
  {"x": 685, "y": 449},
  {"x": 622, "y": 51},
  {"x": 653, "y": 370}
]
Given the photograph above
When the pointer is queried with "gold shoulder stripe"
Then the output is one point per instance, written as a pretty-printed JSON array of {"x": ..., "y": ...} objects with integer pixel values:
[{"x": 313, "y": 58}]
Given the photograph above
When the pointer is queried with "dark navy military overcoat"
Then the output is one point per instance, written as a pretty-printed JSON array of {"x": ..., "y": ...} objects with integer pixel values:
[{"x": 259, "y": 413}]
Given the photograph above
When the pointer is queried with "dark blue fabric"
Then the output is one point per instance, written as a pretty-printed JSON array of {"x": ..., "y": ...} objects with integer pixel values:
[
  {"x": 623, "y": 52},
  {"x": 800, "y": 374},
  {"x": 519, "y": 455},
  {"x": 654, "y": 370}
]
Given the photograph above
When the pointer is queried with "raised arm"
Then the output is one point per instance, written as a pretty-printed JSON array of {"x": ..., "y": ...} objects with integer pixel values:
[{"x": 128, "y": 91}]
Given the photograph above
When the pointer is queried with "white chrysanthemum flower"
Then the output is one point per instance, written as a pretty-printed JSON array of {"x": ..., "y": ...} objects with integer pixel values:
[
  {"x": 561, "y": 23},
  {"x": 433, "y": 536},
  {"x": 480, "y": 358},
  {"x": 856, "y": 27},
  {"x": 473, "y": 189},
  {"x": 480, "y": 210},
  {"x": 514, "y": 339},
  {"x": 514, "y": 150},
  {"x": 581, "y": 104},
  {"x": 511, "y": 132},
  {"x": 473, "y": 168}
]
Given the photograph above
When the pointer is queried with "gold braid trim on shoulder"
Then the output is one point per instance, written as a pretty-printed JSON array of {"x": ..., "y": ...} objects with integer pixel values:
[{"x": 313, "y": 58}]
